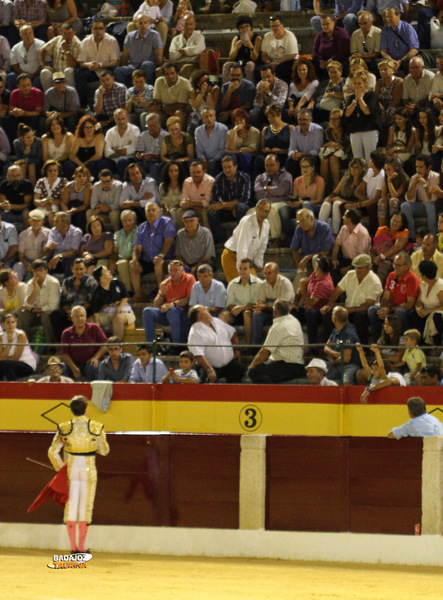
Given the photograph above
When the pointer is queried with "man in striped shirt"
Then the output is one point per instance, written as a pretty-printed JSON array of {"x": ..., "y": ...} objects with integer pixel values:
[{"x": 231, "y": 193}]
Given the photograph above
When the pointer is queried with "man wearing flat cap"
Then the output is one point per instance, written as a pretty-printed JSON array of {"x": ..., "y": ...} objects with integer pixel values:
[
  {"x": 363, "y": 289},
  {"x": 63, "y": 99},
  {"x": 316, "y": 371},
  {"x": 195, "y": 244}
]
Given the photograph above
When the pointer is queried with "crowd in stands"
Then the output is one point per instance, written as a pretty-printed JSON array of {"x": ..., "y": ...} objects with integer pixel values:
[{"x": 121, "y": 157}]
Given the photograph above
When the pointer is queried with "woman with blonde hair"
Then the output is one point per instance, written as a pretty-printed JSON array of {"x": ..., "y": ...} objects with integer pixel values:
[
  {"x": 389, "y": 90},
  {"x": 362, "y": 117},
  {"x": 355, "y": 65},
  {"x": 178, "y": 145},
  {"x": 329, "y": 93}
]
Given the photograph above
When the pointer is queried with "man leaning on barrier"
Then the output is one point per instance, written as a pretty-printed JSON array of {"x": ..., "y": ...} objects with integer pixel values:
[{"x": 421, "y": 424}]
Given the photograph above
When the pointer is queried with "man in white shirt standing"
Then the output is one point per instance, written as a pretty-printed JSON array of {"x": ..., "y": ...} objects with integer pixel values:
[
  {"x": 248, "y": 240},
  {"x": 121, "y": 141},
  {"x": 283, "y": 349},
  {"x": 42, "y": 297}
]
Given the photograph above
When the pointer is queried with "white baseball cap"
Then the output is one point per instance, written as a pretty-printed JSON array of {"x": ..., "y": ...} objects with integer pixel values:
[{"x": 319, "y": 363}]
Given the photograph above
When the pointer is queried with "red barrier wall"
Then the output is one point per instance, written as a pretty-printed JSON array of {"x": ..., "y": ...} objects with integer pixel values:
[{"x": 368, "y": 485}]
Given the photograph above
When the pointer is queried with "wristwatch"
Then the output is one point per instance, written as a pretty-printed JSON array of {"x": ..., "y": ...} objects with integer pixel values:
[{"x": 382, "y": 256}]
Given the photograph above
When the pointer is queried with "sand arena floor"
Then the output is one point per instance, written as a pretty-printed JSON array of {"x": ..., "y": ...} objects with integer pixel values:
[{"x": 25, "y": 576}]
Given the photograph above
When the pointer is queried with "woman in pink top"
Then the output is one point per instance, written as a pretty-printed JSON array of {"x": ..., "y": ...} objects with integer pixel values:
[
  {"x": 352, "y": 240},
  {"x": 309, "y": 188},
  {"x": 315, "y": 292}
]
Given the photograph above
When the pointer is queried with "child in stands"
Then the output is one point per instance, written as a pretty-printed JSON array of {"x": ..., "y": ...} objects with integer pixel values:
[{"x": 185, "y": 374}]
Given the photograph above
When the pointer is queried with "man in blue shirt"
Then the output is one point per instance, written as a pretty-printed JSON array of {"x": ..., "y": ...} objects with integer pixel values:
[
  {"x": 63, "y": 244},
  {"x": 342, "y": 336},
  {"x": 210, "y": 141},
  {"x": 306, "y": 140},
  {"x": 149, "y": 145},
  {"x": 153, "y": 242},
  {"x": 421, "y": 423},
  {"x": 237, "y": 93},
  {"x": 143, "y": 49},
  {"x": 207, "y": 291},
  {"x": 310, "y": 237},
  {"x": 399, "y": 40},
  {"x": 143, "y": 368}
]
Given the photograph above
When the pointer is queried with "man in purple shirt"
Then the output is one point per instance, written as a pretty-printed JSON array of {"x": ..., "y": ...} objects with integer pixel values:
[
  {"x": 275, "y": 185},
  {"x": 153, "y": 242},
  {"x": 306, "y": 140},
  {"x": 82, "y": 361},
  {"x": 63, "y": 244},
  {"x": 333, "y": 43}
]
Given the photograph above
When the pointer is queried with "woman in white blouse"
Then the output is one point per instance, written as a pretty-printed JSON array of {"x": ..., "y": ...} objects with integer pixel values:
[
  {"x": 15, "y": 360},
  {"x": 301, "y": 91},
  {"x": 427, "y": 314}
]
